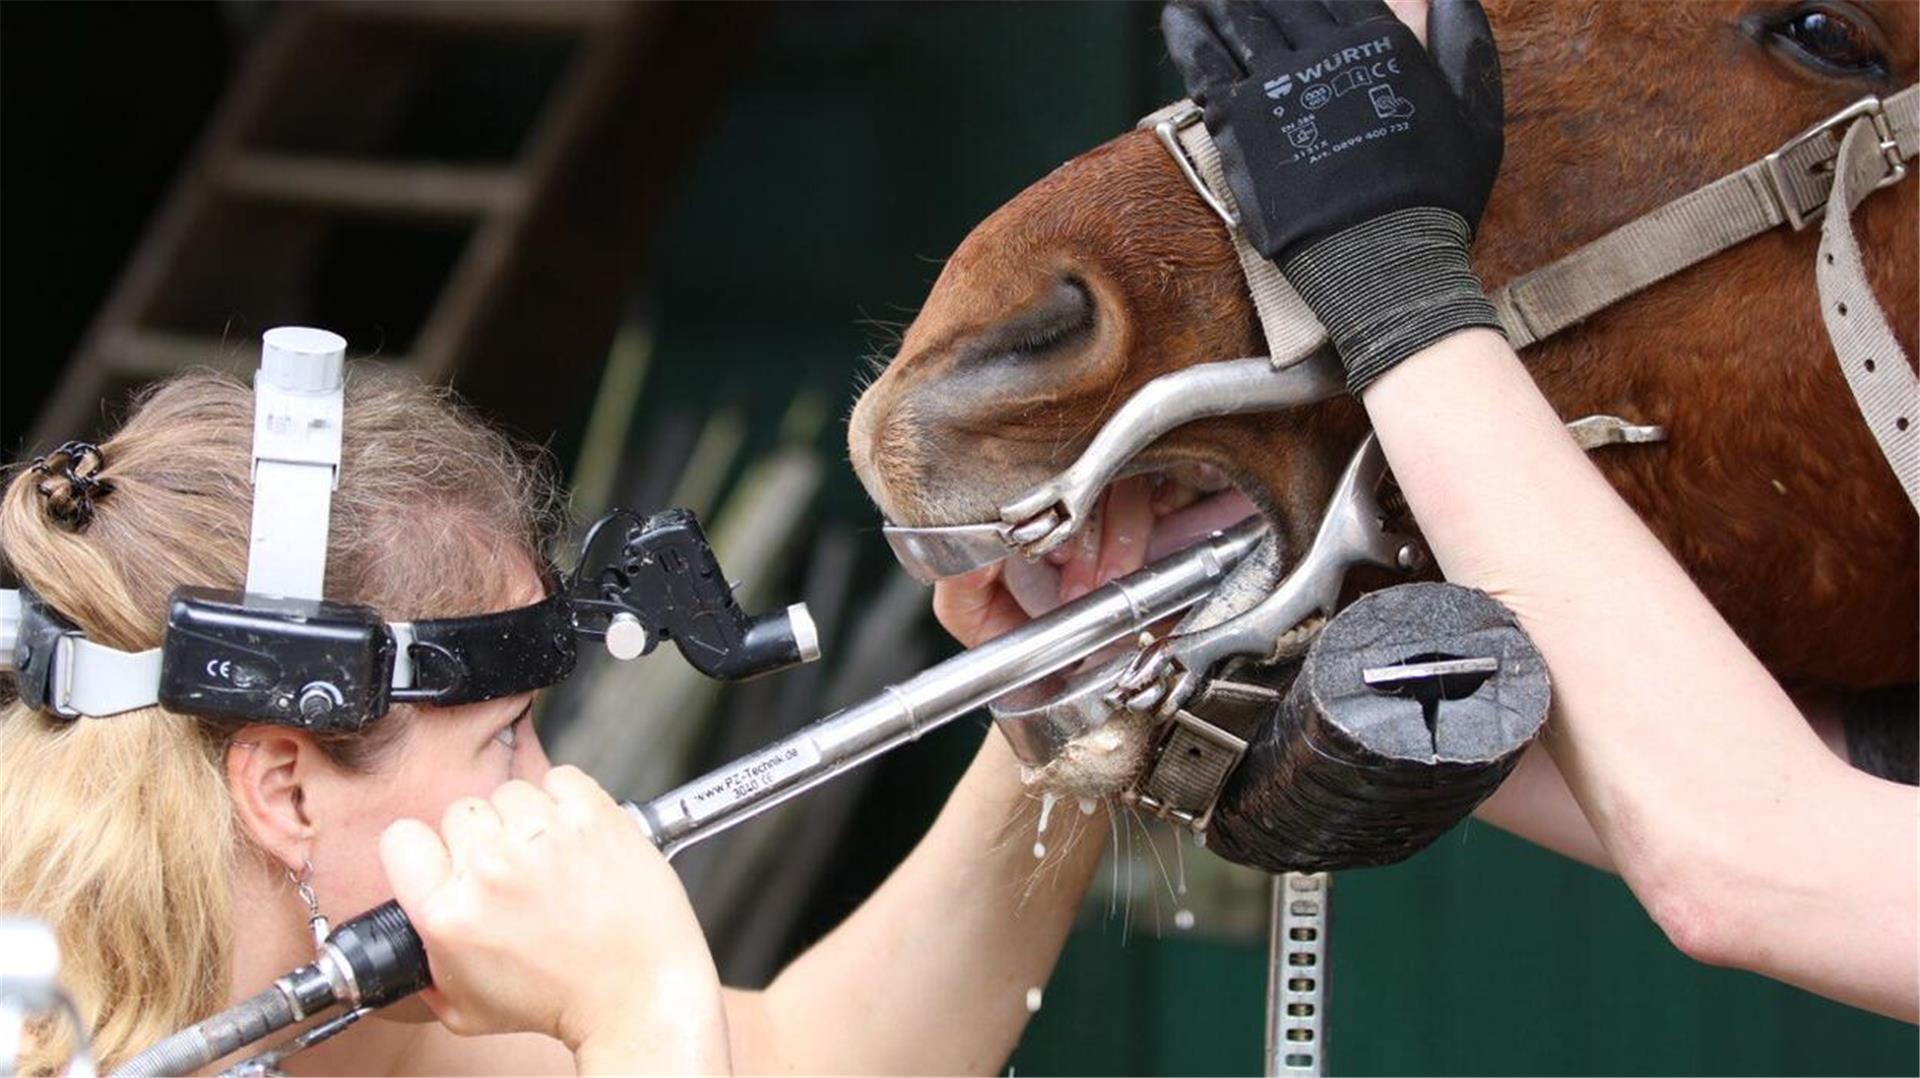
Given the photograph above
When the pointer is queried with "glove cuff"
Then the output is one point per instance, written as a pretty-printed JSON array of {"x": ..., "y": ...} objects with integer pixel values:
[{"x": 1390, "y": 286}]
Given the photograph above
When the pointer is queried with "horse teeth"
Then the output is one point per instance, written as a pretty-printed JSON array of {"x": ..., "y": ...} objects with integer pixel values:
[
  {"x": 1213, "y": 480},
  {"x": 1170, "y": 496},
  {"x": 1204, "y": 478}
]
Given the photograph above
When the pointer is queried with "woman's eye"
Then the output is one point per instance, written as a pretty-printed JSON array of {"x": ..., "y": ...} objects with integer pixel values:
[
  {"x": 509, "y": 734},
  {"x": 1829, "y": 40}
]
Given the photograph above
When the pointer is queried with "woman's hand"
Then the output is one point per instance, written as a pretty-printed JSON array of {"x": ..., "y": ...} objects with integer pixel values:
[
  {"x": 977, "y": 607},
  {"x": 546, "y": 911},
  {"x": 1360, "y": 156}
]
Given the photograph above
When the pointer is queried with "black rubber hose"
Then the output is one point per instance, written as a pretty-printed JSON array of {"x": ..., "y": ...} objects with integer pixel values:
[{"x": 196, "y": 1046}]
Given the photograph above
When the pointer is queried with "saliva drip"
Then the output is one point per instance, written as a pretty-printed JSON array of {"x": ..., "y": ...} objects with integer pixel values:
[
  {"x": 1182, "y": 917},
  {"x": 1179, "y": 863},
  {"x": 1046, "y": 812}
]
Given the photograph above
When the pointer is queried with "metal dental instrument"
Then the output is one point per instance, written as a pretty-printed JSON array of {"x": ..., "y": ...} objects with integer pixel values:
[
  {"x": 1204, "y": 390},
  {"x": 1047, "y": 515},
  {"x": 1352, "y": 533},
  {"x": 1594, "y": 431},
  {"x": 748, "y": 787},
  {"x": 376, "y": 958}
]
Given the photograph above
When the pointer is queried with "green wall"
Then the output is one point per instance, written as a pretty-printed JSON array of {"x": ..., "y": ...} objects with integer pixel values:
[
  {"x": 1482, "y": 955},
  {"x": 858, "y": 149}
]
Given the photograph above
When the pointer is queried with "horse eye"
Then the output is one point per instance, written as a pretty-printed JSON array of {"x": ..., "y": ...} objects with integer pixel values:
[{"x": 1829, "y": 40}]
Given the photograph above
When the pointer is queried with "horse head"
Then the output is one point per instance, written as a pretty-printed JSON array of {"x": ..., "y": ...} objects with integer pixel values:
[{"x": 1111, "y": 271}]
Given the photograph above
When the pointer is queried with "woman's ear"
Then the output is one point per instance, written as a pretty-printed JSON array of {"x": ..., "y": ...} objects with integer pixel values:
[{"x": 265, "y": 768}]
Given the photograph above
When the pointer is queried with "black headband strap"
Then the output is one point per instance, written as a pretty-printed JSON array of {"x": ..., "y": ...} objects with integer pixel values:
[{"x": 462, "y": 660}]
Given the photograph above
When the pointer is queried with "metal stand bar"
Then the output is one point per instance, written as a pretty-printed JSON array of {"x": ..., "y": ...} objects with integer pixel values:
[{"x": 1297, "y": 974}]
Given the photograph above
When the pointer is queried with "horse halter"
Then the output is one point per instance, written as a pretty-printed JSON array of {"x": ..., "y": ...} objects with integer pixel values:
[{"x": 1825, "y": 171}]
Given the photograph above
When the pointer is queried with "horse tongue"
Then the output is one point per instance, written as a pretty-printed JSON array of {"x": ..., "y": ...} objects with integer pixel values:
[
  {"x": 1035, "y": 585},
  {"x": 1177, "y": 531}
]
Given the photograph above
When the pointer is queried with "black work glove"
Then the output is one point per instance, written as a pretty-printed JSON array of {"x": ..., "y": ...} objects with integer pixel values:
[{"x": 1360, "y": 160}]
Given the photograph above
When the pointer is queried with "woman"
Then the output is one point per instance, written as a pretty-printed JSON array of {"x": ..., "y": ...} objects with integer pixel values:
[
  {"x": 181, "y": 858},
  {"x": 1675, "y": 759}
]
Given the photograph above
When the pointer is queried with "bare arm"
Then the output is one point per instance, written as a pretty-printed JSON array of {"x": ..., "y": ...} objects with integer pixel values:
[
  {"x": 1535, "y": 804},
  {"x": 930, "y": 974},
  {"x": 1746, "y": 840}
]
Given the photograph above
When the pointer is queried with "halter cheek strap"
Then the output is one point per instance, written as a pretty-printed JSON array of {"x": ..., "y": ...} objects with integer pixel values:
[{"x": 1876, "y": 368}]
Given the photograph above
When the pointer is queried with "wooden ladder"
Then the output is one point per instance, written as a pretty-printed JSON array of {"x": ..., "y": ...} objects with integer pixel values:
[{"x": 292, "y": 154}]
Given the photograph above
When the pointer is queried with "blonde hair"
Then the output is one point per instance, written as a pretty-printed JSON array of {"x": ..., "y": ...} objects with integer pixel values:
[{"x": 119, "y": 832}]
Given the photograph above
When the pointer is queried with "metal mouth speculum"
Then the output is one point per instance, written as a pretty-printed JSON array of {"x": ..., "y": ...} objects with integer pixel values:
[
  {"x": 1041, "y": 719},
  {"x": 1047, "y": 515},
  {"x": 938, "y": 552}
]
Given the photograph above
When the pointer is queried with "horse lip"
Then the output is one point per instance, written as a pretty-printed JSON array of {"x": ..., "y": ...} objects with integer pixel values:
[{"x": 937, "y": 552}]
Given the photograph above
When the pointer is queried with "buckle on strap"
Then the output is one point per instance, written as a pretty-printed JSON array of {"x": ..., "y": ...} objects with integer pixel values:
[
  {"x": 1188, "y": 771},
  {"x": 1816, "y": 159},
  {"x": 1168, "y": 132}
]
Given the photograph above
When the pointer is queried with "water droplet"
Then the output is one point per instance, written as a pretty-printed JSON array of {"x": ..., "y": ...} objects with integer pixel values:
[
  {"x": 1183, "y": 919},
  {"x": 1033, "y": 1000}
]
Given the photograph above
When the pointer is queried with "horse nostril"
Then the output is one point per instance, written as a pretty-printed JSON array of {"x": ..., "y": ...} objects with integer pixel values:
[{"x": 1064, "y": 314}]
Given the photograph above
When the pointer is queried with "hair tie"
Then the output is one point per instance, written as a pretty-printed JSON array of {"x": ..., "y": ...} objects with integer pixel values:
[{"x": 78, "y": 464}]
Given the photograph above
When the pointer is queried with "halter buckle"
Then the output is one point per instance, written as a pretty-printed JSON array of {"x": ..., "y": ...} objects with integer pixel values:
[
  {"x": 1834, "y": 129},
  {"x": 1168, "y": 132}
]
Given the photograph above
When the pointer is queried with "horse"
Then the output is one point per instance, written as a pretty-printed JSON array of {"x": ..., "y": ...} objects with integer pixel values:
[{"x": 1770, "y": 490}]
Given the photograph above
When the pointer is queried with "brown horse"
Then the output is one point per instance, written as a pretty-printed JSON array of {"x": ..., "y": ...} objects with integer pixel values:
[{"x": 1771, "y": 491}]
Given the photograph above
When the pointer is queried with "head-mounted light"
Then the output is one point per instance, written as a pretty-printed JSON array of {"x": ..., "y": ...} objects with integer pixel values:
[{"x": 279, "y": 653}]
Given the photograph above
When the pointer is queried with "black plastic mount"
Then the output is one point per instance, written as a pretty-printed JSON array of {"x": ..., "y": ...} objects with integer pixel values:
[{"x": 662, "y": 572}]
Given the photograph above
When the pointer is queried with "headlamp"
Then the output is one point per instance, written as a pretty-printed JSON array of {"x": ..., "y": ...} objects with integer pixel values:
[{"x": 279, "y": 653}]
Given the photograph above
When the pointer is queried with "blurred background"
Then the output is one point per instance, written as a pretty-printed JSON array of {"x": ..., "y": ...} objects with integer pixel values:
[{"x": 665, "y": 240}]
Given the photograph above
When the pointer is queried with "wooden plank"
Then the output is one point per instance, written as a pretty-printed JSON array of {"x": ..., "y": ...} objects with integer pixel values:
[
  {"x": 75, "y": 404},
  {"x": 586, "y": 90},
  {"x": 539, "y": 341},
  {"x": 410, "y": 190}
]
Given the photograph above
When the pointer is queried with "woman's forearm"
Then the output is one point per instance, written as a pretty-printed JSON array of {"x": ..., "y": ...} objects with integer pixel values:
[
  {"x": 1748, "y": 841},
  {"x": 1535, "y": 804},
  {"x": 930, "y": 974}
]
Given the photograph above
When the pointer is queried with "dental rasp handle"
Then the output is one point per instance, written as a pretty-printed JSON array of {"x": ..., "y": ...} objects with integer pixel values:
[
  {"x": 369, "y": 961},
  {"x": 747, "y": 787}
]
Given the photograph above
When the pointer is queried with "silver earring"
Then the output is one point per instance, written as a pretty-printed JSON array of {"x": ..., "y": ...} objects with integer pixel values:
[{"x": 303, "y": 883}]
